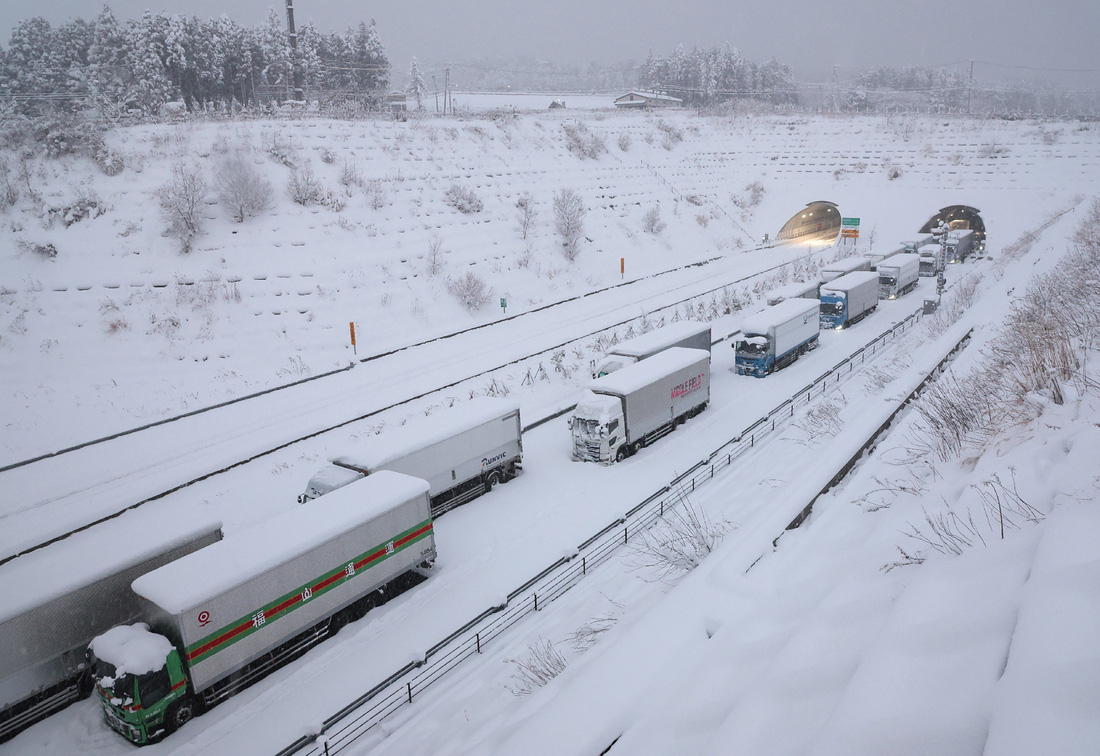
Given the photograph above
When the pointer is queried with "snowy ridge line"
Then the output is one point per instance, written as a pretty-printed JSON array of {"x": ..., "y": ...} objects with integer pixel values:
[
  {"x": 407, "y": 400},
  {"x": 400, "y": 688}
]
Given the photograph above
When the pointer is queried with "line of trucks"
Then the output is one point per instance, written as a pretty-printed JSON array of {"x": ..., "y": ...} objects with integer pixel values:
[
  {"x": 164, "y": 631},
  {"x": 848, "y": 291}
]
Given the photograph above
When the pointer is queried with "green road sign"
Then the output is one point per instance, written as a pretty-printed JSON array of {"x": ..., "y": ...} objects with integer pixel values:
[{"x": 849, "y": 221}]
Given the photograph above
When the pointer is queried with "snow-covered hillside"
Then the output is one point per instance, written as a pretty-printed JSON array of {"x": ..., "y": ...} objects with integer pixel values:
[
  {"x": 821, "y": 644},
  {"x": 120, "y": 328}
]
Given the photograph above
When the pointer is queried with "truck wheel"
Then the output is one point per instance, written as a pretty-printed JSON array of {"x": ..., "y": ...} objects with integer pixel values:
[
  {"x": 494, "y": 478},
  {"x": 339, "y": 621},
  {"x": 179, "y": 714},
  {"x": 621, "y": 454}
]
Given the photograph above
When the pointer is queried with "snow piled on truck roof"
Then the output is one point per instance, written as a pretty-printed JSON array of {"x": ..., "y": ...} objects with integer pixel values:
[
  {"x": 132, "y": 649},
  {"x": 46, "y": 575},
  {"x": 641, "y": 374},
  {"x": 374, "y": 452},
  {"x": 210, "y": 572},
  {"x": 778, "y": 314},
  {"x": 659, "y": 337},
  {"x": 849, "y": 281}
]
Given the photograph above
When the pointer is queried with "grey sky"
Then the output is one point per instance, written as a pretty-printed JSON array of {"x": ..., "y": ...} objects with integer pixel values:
[{"x": 809, "y": 36}]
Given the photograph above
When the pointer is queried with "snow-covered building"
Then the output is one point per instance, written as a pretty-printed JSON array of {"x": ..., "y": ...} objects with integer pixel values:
[{"x": 647, "y": 100}]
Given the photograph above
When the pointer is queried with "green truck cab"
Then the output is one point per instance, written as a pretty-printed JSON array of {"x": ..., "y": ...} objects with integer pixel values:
[{"x": 142, "y": 699}]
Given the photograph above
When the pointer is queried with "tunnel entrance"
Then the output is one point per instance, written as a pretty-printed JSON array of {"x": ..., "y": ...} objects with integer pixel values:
[
  {"x": 818, "y": 221},
  {"x": 958, "y": 217}
]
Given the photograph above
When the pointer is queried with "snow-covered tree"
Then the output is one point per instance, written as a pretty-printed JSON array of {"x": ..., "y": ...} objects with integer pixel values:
[{"x": 417, "y": 88}]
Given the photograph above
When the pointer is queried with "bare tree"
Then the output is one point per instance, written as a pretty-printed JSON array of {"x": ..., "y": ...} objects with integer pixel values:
[
  {"x": 179, "y": 203},
  {"x": 242, "y": 189},
  {"x": 526, "y": 212},
  {"x": 569, "y": 220}
]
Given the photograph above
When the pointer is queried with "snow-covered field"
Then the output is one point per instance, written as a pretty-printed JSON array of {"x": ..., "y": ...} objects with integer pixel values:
[{"x": 813, "y": 649}]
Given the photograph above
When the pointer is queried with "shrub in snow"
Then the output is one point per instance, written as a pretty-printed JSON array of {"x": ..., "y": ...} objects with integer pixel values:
[
  {"x": 179, "y": 200},
  {"x": 651, "y": 221},
  {"x": 750, "y": 197},
  {"x": 463, "y": 200},
  {"x": 86, "y": 205},
  {"x": 582, "y": 142},
  {"x": 526, "y": 212},
  {"x": 541, "y": 665},
  {"x": 624, "y": 141},
  {"x": 242, "y": 189},
  {"x": 435, "y": 255},
  {"x": 569, "y": 215},
  {"x": 471, "y": 291},
  {"x": 108, "y": 160},
  {"x": 9, "y": 190},
  {"x": 303, "y": 186},
  {"x": 679, "y": 542},
  {"x": 375, "y": 193},
  {"x": 349, "y": 175},
  {"x": 327, "y": 156}
]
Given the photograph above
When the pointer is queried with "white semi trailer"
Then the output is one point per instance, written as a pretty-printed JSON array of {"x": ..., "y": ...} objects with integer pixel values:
[
  {"x": 462, "y": 452},
  {"x": 835, "y": 270},
  {"x": 848, "y": 299},
  {"x": 898, "y": 275},
  {"x": 620, "y": 413},
  {"x": 685, "y": 333},
  {"x": 793, "y": 290},
  {"x": 217, "y": 620},
  {"x": 777, "y": 336},
  {"x": 55, "y": 600}
]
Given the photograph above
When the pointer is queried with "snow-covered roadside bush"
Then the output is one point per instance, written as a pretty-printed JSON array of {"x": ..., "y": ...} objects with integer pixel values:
[
  {"x": 582, "y": 142},
  {"x": 471, "y": 290},
  {"x": 462, "y": 199},
  {"x": 303, "y": 186},
  {"x": 678, "y": 542},
  {"x": 651, "y": 221},
  {"x": 242, "y": 189},
  {"x": 569, "y": 215},
  {"x": 179, "y": 200}
]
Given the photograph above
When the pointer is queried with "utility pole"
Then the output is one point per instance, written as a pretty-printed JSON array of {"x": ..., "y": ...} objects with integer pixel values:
[
  {"x": 446, "y": 89},
  {"x": 969, "y": 85},
  {"x": 836, "y": 89},
  {"x": 296, "y": 74}
]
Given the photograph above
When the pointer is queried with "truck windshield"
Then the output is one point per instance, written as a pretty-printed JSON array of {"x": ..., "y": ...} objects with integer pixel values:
[
  {"x": 751, "y": 348},
  {"x": 120, "y": 686},
  {"x": 890, "y": 281},
  {"x": 153, "y": 686},
  {"x": 832, "y": 307},
  {"x": 586, "y": 427}
]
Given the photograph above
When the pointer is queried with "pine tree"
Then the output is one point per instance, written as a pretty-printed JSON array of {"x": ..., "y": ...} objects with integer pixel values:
[{"x": 416, "y": 87}]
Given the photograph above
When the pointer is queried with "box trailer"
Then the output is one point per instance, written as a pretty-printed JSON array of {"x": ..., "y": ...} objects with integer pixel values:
[
  {"x": 775, "y": 337},
  {"x": 898, "y": 275},
  {"x": 959, "y": 245},
  {"x": 462, "y": 452},
  {"x": 685, "y": 333},
  {"x": 620, "y": 413},
  {"x": 793, "y": 290},
  {"x": 217, "y": 620},
  {"x": 835, "y": 270},
  {"x": 55, "y": 600},
  {"x": 848, "y": 299}
]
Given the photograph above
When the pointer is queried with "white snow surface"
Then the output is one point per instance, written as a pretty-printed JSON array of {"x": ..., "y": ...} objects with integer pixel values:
[
  {"x": 647, "y": 372},
  {"x": 211, "y": 571},
  {"x": 808, "y": 646},
  {"x": 132, "y": 649},
  {"x": 378, "y": 451}
]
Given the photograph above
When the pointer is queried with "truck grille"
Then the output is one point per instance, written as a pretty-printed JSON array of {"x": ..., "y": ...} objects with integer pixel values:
[{"x": 586, "y": 451}]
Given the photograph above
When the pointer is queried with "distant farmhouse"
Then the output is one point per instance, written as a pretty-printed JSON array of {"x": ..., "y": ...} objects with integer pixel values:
[{"x": 647, "y": 100}]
